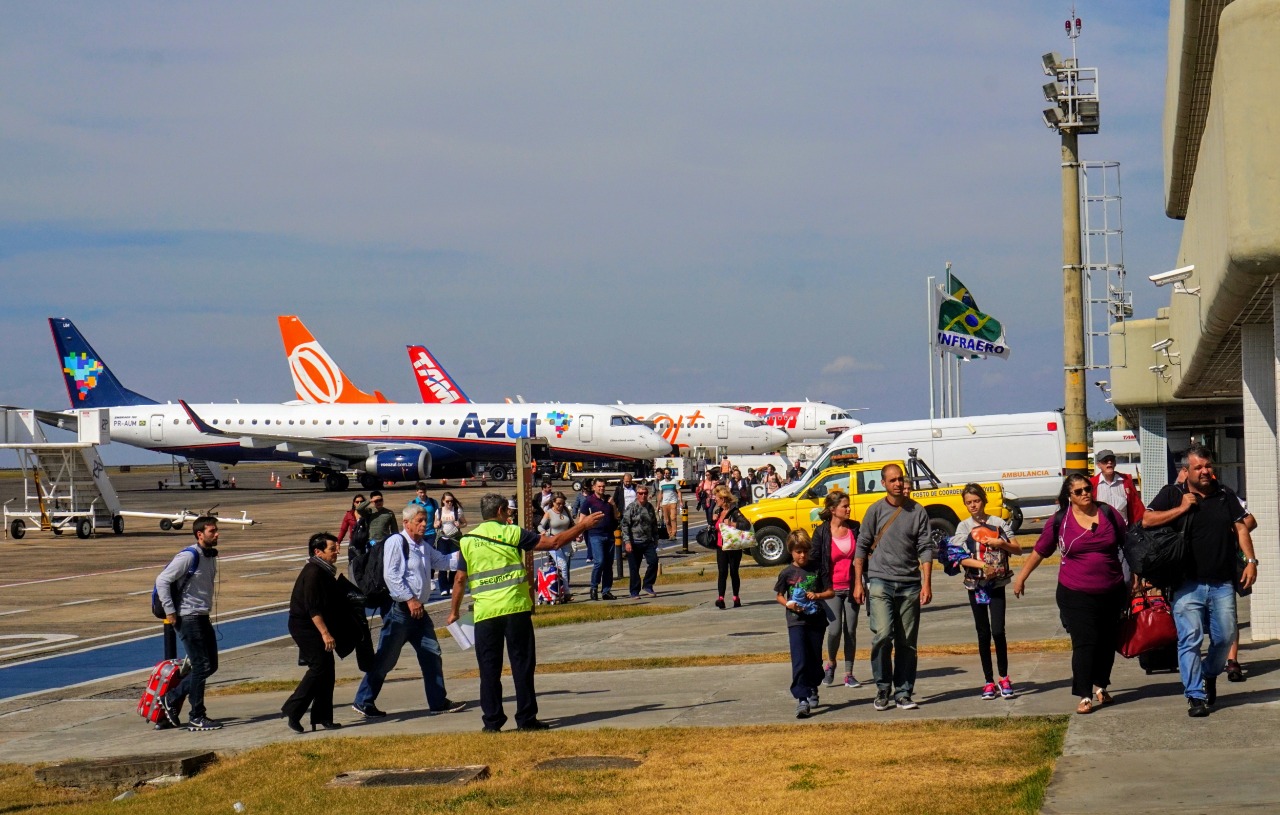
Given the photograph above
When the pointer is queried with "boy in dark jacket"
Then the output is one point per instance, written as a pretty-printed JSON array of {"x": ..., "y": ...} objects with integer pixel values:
[{"x": 799, "y": 588}]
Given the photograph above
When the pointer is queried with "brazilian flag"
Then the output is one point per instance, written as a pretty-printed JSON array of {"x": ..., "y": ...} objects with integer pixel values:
[{"x": 963, "y": 329}]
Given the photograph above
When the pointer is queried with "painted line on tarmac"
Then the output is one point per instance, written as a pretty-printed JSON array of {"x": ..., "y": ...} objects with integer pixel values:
[
  {"x": 144, "y": 591},
  {"x": 80, "y": 602},
  {"x": 252, "y": 574},
  {"x": 224, "y": 559},
  {"x": 15, "y": 611}
]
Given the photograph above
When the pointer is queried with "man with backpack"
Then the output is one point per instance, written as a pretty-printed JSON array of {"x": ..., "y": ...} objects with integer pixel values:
[
  {"x": 407, "y": 562},
  {"x": 185, "y": 592},
  {"x": 377, "y": 523},
  {"x": 1215, "y": 527}
]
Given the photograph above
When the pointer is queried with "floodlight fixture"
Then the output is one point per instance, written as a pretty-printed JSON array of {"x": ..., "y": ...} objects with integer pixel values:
[
  {"x": 1054, "y": 118},
  {"x": 1053, "y": 91},
  {"x": 1173, "y": 276},
  {"x": 1052, "y": 62}
]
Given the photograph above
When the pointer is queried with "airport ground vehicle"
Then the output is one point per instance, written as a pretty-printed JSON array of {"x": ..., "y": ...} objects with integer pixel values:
[
  {"x": 774, "y": 518},
  {"x": 1025, "y": 452}
]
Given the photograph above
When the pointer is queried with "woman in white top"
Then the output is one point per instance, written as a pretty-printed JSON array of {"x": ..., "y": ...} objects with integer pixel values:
[
  {"x": 450, "y": 521},
  {"x": 669, "y": 487},
  {"x": 557, "y": 520}
]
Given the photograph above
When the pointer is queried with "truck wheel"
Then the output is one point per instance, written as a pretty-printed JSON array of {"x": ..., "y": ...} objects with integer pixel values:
[
  {"x": 117, "y": 524},
  {"x": 577, "y": 486},
  {"x": 498, "y": 472},
  {"x": 941, "y": 530},
  {"x": 771, "y": 546},
  {"x": 165, "y": 524},
  {"x": 1015, "y": 516},
  {"x": 17, "y": 529},
  {"x": 84, "y": 528}
]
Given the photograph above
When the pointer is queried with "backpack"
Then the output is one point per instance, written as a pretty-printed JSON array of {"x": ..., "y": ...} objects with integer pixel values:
[
  {"x": 371, "y": 581},
  {"x": 1159, "y": 555},
  {"x": 157, "y": 608},
  {"x": 359, "y": 535}
]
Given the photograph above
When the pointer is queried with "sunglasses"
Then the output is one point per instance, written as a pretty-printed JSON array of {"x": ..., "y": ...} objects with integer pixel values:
[{"x": 1082, "y": 491}]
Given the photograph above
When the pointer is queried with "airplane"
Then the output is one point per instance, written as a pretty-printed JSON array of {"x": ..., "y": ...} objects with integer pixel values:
[
  {"x": 316, "y": 377},
  {"x": 384, "y": 441},
  {"x": 685, "y": 426}
]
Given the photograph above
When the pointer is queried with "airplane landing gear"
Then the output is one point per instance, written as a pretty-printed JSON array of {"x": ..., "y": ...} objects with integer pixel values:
[{"x": 336, "y": 482}]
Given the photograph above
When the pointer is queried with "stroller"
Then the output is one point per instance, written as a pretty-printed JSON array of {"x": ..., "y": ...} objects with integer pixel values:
[{"x": 550, "y": 588}]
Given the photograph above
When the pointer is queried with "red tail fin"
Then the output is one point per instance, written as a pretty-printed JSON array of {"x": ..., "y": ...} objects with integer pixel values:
[{"x": 434, "y": 382}]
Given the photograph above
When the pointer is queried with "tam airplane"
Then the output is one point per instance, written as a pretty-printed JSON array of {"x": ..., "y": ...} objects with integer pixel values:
[
  {"x": 685, "y": 426},
  {"x": 386, "y": 442}
]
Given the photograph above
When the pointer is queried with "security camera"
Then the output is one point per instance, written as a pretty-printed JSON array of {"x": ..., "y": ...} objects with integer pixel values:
[
  {"x": 1102, "y": 385},
  {"x": 1158, "y": 369},
  {"x": 1162, "y": 345},
  {"x": 1174, "y": 276}
]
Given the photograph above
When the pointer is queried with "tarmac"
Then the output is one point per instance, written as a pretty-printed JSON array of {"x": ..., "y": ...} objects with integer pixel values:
[{"x": 1142, "y": 754}]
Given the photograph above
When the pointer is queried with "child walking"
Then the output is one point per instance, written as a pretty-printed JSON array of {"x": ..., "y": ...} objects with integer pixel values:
[
  {"x": 982, "y": 545},
  {"x": 799, "y": 588}
]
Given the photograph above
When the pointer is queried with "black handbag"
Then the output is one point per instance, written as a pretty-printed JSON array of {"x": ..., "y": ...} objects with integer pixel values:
[{"x": 1159, "y": 554}]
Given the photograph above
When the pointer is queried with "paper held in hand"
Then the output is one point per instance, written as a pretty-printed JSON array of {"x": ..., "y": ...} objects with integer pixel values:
[{"x": 463, "y": 631}]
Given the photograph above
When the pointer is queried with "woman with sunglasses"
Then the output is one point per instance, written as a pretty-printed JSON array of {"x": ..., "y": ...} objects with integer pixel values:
[
  {"x": 450, "y": 521},
  {"x": 349, "y": 520},
  {"x": 1091, "y": 586}
]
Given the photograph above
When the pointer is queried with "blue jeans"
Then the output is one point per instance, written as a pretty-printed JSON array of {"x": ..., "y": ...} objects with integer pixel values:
[
  {"x": 893, "y": 610},
  {"x": 1197, "y": 605},
  {"x": 398, "y": 628},
  {"x": 601, "y": 546},
  {"x": 563, "y": 558},
  {"x": 201, "y": 645}
]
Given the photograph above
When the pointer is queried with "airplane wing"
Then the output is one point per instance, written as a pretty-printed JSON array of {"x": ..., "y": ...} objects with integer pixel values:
[{"x": 350, "y": 451}]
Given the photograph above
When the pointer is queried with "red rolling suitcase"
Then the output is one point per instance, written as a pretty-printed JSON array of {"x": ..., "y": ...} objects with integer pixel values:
[{"x": 164, "y": 678}]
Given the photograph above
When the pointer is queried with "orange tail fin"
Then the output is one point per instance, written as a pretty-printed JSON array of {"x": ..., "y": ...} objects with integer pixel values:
[{"x": 317, "y": 379}]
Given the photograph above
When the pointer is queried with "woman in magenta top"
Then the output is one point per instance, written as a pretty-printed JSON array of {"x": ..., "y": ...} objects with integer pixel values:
[
  {"x": 833, "y": 543},
  {"x": 1091, "y": 585}
]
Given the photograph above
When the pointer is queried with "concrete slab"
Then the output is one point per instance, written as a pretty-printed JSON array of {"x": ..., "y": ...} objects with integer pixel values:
[{"x": 124, "y": 771}]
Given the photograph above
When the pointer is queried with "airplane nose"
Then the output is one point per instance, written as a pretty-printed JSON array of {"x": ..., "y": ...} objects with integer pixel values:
[{"x": 776, "y": 436}]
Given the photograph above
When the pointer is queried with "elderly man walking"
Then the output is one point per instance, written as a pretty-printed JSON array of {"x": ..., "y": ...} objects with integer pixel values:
[
  {"x": 407, "y": 562},
  {"x": 895, "y": 552}
]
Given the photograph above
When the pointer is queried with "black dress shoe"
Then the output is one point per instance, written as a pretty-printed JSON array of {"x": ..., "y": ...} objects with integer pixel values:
[
  {"x": 294, "y": 725},
  {"x": 595, "y": 595},
  {"x": 534, "y": 725},
  {"x": 608, "y": 596},
  {"x": 1197, "y": 708},
  {"x": 326, "y": 726}
]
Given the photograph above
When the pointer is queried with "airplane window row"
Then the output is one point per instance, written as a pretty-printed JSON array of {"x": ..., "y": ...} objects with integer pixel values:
[{"x": 617, "y": 421}]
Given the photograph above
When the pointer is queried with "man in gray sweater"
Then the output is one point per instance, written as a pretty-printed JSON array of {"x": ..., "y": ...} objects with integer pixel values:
[
  {"x": 185, "y": 589},
  {"x": 895, "y": 554}
]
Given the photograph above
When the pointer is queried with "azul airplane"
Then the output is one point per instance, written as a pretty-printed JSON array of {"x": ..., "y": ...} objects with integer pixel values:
[
  {"x": 685, "y": 426},
  {"x": 386, "y": 442}
]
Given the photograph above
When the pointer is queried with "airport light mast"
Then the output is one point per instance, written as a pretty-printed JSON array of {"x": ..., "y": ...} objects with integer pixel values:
[{"x": 1073, "y": 96}]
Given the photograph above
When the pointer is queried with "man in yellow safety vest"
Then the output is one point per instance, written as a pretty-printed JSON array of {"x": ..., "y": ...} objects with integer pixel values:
[{"x": 492, "y": 568}]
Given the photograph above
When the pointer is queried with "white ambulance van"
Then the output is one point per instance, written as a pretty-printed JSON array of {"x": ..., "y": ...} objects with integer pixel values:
[{"x": 1026, "y": 452}]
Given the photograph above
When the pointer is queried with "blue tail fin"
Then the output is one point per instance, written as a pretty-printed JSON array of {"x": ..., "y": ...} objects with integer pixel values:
[{"x": 90, "y": 384}]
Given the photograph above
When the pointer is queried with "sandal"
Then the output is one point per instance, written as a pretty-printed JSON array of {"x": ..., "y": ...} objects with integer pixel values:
[
  {"x": 1234, "y": 672},
  {"x": 1085, "y": 706},
  {"x": 1101, "y": 697}
]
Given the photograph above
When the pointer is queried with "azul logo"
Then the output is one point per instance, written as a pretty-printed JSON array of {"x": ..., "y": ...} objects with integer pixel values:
[
  {"x": 498, "y": 427},
  {"x": 84, "y": 370},
  {"x": 559, "y": 421},
  {"x": 778, "y": 417},
  {"x": 432, "y": 379},
  {"x": 316, "y": 377}
]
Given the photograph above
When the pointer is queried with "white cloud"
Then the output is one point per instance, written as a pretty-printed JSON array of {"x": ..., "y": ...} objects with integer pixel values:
[{"x": 849, "y": 365}]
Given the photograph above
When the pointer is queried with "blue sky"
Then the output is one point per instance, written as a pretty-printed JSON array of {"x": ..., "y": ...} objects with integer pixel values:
[{"x": 569, "y": 201}]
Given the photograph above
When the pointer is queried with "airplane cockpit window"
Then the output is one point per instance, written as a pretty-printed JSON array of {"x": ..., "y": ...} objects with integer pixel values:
[
  {"x": 753, "y": 423},
  {"x": 622, "y": 421}
]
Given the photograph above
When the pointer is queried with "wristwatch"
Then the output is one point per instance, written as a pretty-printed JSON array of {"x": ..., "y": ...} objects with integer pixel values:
[{"x": 1252, "y": 560}]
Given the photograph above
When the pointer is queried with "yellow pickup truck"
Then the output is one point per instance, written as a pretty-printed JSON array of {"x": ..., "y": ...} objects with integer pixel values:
[{"x": 774, "y": 518}]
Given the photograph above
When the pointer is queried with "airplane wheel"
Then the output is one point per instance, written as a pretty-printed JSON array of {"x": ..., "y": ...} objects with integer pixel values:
[
  {"x": 117, "y": 524},
  {"x": 84, "y": 528},
  {"x": 17, "y": 529},
  {"x": 369, "y": 481},
  {"x": 165, "y": 524}
]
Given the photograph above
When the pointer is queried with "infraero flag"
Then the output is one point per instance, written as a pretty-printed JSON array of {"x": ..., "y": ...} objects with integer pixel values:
[{"x": 962, "y": 329}]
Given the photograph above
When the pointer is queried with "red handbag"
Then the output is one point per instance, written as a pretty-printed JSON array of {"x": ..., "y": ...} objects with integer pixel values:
[{"x": 1147, "y": 625}]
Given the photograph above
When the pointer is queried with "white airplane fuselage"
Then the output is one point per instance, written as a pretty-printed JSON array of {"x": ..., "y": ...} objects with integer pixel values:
[{"x": 711, "y": 426}]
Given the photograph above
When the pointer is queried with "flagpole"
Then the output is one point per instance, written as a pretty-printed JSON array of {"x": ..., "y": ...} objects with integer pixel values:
[
  {"x": 931, "y": 321},
  {"x": 950, "y": 360}
]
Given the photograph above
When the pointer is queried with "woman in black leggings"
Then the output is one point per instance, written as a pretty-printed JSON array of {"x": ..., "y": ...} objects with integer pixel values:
[{"x": 727, "y": 512}]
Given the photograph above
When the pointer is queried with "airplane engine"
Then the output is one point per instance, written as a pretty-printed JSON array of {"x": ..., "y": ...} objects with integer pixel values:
[{"x": 410, "y": 464}]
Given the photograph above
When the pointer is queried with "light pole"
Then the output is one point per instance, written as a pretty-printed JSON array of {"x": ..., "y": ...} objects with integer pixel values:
[{"x": 1073, "y": 94}]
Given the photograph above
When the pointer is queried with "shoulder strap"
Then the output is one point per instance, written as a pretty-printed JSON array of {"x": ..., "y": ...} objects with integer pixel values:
[
  {"x": 490, "y": 540},
  {"x": 884, "y": 529}
]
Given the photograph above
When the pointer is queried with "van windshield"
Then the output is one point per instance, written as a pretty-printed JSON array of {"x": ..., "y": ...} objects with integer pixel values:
[{"x": 823, "y": 462}]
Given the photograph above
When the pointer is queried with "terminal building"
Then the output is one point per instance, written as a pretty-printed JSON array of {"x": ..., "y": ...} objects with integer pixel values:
[{"x": 1206, "y": 369}]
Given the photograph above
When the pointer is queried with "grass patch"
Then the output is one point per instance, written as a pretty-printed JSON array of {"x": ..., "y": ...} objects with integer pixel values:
[
  {"x": 719, "y": 660},
  {"x": 761, "y": 769}
]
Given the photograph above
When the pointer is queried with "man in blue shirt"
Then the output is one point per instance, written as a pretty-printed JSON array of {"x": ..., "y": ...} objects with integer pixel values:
[
  {"x": 600, "y": 542},
  {"x": 407, "y": 561}
]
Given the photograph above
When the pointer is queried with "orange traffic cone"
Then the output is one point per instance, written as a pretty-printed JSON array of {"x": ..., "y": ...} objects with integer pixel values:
[
  {"x": 464, "y": 482},
  {"x": 278, "y": 486}
]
